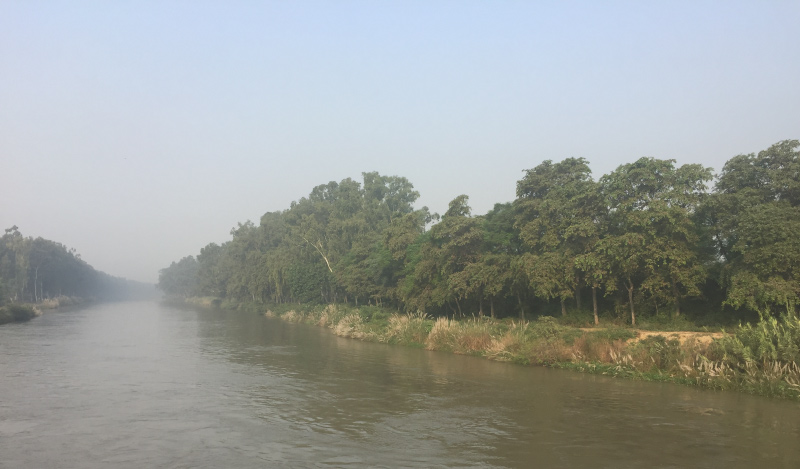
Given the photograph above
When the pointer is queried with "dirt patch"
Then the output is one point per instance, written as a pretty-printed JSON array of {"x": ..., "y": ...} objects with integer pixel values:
[{"x": 682, "y": 336}]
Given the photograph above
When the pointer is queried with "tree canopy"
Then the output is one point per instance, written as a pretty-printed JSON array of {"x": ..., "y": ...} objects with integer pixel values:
[{"x": 648, "y": 238}]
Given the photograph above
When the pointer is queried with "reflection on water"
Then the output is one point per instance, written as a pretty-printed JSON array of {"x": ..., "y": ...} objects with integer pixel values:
[{"x": 146, "y": 385}]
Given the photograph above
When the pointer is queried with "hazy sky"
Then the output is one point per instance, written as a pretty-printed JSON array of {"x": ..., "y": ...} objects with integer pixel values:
[{"x": 138, "y": 132}]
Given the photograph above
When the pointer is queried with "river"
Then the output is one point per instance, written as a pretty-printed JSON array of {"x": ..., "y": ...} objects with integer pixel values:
[{"x": 133, "y": 385}]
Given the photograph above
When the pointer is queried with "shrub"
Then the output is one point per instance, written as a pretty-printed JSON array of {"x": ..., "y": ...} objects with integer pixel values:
[
  {"x": 329, "y": 316},
  {"x": 293, "y": 316},
  {"x": 16, "y": 313},
  {"x": 5, "y": 316},
  {"x": 770, "y": 340},
  {"x": 663, "y": 353},
  {"x": 549, "y": 329},
  {"x": 350, "y": 325},
  {"x": 511, "y": 345},
  {"x": 412, "y": 328}
]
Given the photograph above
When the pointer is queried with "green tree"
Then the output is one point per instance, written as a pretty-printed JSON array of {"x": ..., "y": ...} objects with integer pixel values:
[
  {"x": 558, "y": 206},
  {"x": 753, "y": 216},
  {"x": 652, "y": 238},
  {"x": 180, "y": 278}
]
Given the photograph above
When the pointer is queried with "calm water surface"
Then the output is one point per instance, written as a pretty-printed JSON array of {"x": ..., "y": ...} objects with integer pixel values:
[{"x": 147, "y": 385}]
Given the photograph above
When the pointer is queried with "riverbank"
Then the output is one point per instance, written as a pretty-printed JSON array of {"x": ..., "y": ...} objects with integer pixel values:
[
  {"x": 61, "y": 302},
  {"x": 18, "y": 313},
  {"x": 21, "y": 312},
  {"x": 760, "y": 359}
]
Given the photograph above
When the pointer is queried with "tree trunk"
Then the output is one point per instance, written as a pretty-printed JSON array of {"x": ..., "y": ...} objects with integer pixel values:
[
  {"x": 35, "y": 285},
  {"x": 452, "y": 309},
  {"x": 594, "y": 305},
  {"x": 480, "y": 307},
  {"x": 460, "y": 313},
  {"x": 629, "y": 286},
  {"x": 491, "y": 307},
  {"x": 677, "y": 295},
  {"x": 521, "y": 308},
  {"x": 563, "y": 307}
]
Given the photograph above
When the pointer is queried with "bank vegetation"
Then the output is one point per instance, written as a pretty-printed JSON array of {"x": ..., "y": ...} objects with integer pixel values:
[
  {"x": 759, "y": 359},
  {"x": 650, "y": 244}
]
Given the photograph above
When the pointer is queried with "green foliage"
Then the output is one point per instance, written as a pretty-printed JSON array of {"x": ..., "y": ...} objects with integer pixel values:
[
  {"x": 754, "y": 218},
  {"x": 549, "y": 329},
  {"x": 770, "y": 340},
  {"x": 180, "y": 278},
  {"x": 16, "y": 313},
  {"x": 647, "y": 240},
  {"x": 36, "y": 269},
  {"x": 662, "y": 352},
  {"x": 652, "y": 239},
  {"x": 308, "y": 282}
]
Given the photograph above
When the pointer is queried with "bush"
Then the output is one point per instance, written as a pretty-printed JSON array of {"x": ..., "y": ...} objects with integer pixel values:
[
  {"x": 663, "y": 353},
  {"x": 549, "y": 329},
  {"x": 410, "y": 329},
  {"x": 770, "y": 340},
  {"x": 5, "y": 316},
  {"x": 16, "y": 313}
]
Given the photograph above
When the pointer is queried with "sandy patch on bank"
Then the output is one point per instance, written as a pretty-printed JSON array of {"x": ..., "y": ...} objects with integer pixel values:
[{"x": 682, "y": 336}]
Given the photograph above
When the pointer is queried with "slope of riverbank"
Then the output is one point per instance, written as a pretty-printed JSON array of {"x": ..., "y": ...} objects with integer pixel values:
[
  {"x": 760, "y": 359},
  {"x": 18, "y": 313}
]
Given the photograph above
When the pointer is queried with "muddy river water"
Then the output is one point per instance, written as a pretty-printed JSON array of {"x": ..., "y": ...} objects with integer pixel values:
[{"x": 145, "y": 385}]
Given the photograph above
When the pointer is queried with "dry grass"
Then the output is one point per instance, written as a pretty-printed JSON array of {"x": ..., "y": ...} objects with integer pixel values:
[
  {"x": 350, "y": 325},
  {"x": 293, "y": 316},
  {"x": 472, "y": 337},
  {"x": 409, "y": 328}
]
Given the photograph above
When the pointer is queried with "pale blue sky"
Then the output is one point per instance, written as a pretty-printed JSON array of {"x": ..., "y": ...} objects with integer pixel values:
[{"x": 138, "y": 132}]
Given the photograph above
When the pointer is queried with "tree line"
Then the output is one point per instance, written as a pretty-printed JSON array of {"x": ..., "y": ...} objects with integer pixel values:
[
  {"x": 36, "y": 269},
  {"x": 648, "y": 238}
]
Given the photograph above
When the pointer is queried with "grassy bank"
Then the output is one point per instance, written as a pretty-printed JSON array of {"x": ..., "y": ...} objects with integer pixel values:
[
  {"x": 760, "y": 359},
  {"x": 60, "y": 302},
  {"x": 17, "y": 313}
]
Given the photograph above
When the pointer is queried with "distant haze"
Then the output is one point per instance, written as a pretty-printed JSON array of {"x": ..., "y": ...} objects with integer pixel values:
[{"x": 138, "y": 132}]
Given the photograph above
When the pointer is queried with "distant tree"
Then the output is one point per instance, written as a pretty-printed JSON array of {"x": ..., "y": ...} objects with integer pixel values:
[{"x": 180, "y": 278}]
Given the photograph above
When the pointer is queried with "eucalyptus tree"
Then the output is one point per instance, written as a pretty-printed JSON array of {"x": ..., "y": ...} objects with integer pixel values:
[
  {"x": 15, "y": 261},
  {"x": 406, "y": 241},
  {"x": 340, "y": 223},
  {"x": 211, "y": 279},
  {"x": 459, "y": 239},
  {"x": 491, "y": 274},
  {"x": 180, "y": 278},
  {"x": 388, "y": 197},
  {"x": 435, "y": 273},
  {"x": 238, "y": 255}
]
